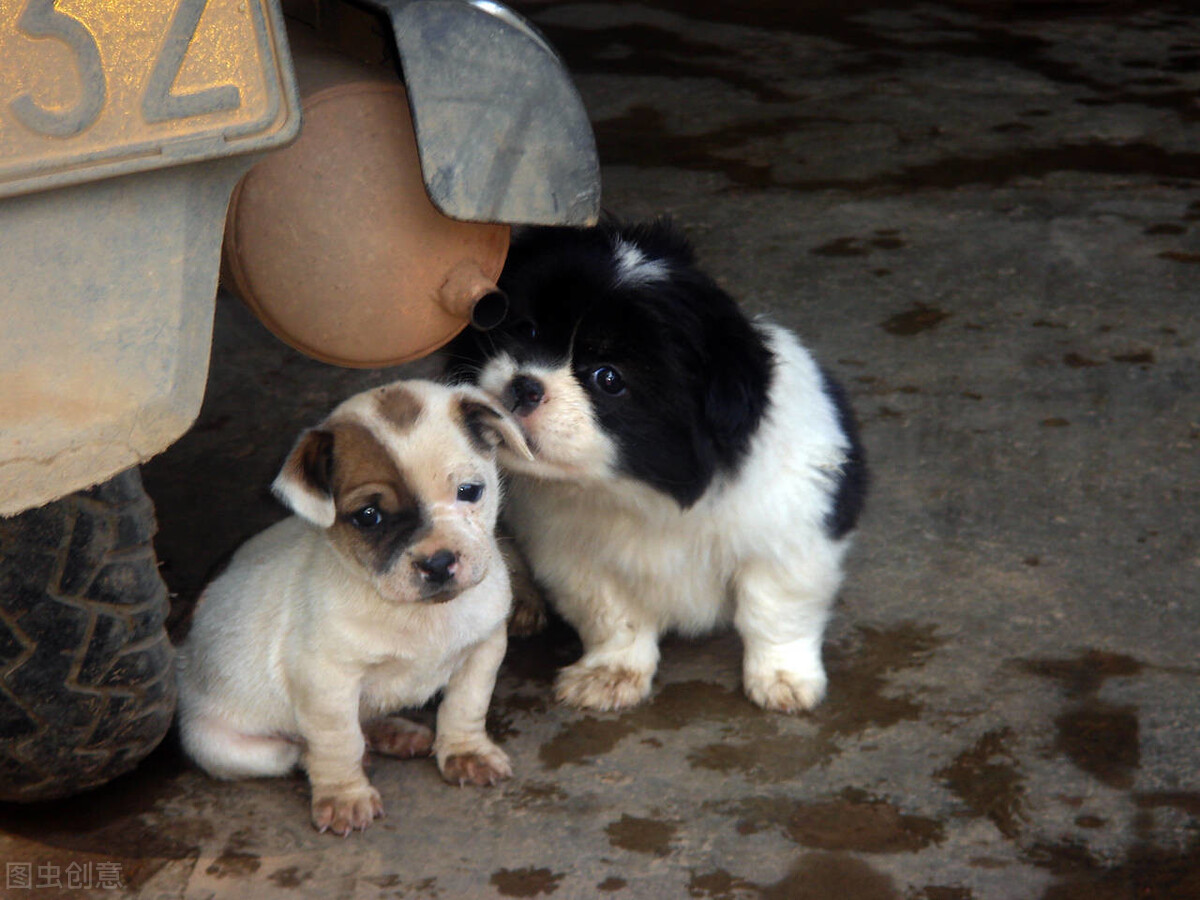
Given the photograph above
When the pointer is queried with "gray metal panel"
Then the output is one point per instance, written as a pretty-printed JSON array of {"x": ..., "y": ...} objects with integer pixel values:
[
  {"x": 107, "y": 305},
  {"x": 502, "y": 133}
]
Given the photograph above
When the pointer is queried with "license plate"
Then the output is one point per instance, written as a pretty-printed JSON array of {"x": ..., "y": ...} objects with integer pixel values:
[{"x": 93, "y": 88}]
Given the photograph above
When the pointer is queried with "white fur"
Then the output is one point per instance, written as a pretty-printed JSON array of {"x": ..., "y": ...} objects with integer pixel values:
[
  {"x": 569, "y": 442},
  {"x": 295, "y": 646},
  {"x": 633, "y": 268},
  {"x": 624, "y": 563}
]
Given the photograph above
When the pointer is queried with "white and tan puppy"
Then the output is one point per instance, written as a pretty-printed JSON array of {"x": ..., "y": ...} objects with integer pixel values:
[{"x": 385, "y": 587}]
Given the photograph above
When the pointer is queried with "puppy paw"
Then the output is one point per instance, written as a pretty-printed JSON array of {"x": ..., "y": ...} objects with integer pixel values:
[
  {"x": 528, "y": 616},
  {"x": 394, "y": 736},
  {"x": 484, "y": 768},
  {"x": 346, "y": 811},
  {"x": 786, "y": 692},
  {"x": 602, "y": 687}
]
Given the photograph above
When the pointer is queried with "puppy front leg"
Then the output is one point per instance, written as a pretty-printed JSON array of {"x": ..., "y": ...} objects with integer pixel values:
[
  {"x": 781, "y": 616},
  {"x": 465, "y": 754},
  {"x": 328, "y": 718},
  {"x": 620, "y": 653}
]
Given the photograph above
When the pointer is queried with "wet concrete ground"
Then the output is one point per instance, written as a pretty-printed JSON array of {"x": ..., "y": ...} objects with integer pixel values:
[{"x": 985, "y": 217}]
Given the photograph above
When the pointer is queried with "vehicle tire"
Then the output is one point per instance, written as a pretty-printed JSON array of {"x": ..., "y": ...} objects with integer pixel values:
[{"x": 87, "y": 685}]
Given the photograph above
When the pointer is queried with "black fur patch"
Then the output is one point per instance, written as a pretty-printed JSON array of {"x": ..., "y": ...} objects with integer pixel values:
[
  {"x": 379, "y": 548},
  {"x": 364, "y": 475},
  {"x": 851, "y": 491},
  {"x": 696, "y": 372}
]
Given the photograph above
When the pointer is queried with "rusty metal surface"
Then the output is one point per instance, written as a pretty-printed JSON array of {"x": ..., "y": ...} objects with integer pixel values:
[{"x": 333, "y": 241}]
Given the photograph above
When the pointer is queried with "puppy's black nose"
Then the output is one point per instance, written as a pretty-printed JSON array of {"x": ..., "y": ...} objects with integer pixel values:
[
  {"x": 524, "y": 394},
  {"x": 437, "y": 568}
]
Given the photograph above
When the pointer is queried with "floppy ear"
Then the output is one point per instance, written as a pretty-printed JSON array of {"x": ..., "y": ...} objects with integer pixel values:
[
  {"x": 488, "y": 425},
  {"x": 304, "y": 484},
  {"x": 735, "y": 400}
]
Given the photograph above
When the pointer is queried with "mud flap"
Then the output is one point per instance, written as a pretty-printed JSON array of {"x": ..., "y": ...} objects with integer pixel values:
[{"x": 502, "y": 133}]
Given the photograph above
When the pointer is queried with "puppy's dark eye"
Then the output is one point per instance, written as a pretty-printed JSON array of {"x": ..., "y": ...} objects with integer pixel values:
[
  {"x": 367, "y": 517},
  {"x": 609, "y": 380},
  {"x": 470, "y": 492}
]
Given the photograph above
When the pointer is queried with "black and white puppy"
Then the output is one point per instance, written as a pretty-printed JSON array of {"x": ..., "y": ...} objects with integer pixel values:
[{"x": 690, "y": 466}]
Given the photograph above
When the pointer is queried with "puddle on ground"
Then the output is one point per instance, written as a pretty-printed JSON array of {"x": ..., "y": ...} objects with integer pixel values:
[
  {"x": 293, "y": 877},
  {"x": 858, "y": 677},
  {"x": 674, "y": 706},
  {"x": 1103, "y": 740},
  {"x": 768, "y": 752},
  {"x": 720, "y": 885},
  {"x": 860, "y": 823},
  {"x": 817, "y": 876},
  {"x": 1146, "y": 871},
  {"x": 1165, "y": 228},
  {"x": 650, "y": 836},
  {"x": 1086, "y": 673},
  {"x": 832, "y": 876},
  {"x": 986, "y": 779},
  {"x": 763, "y": 749},
  {"x": 527, "y": 882},
  {"x": 1185, "y": 801},
  {"x": 768, "y": 760},
  {"x": 1079, "y": 361},
  {"x": 1180, "y": 256},
  {"x": 843, "y": 246},
  {"x": 914, "y": 321},
  {"x": 1135, "y": 357},
  {"x": 754, "y": 813},
  {"x": 1100, "y": 738},
  {"x": 884, "y": 239},
  {"x": 582, "y": 740},
  {"x": 535, "y": 795},
  {"x": 235, "y": 859},
  {"x": 425, "y": 887},
  {"x": 679, "y": 704}
]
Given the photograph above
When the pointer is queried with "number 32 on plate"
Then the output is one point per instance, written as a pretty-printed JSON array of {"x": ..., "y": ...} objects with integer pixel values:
[{"x": 41, "y": 19}]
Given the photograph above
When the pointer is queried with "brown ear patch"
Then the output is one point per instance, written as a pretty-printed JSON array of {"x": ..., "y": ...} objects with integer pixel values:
[
  {"x": 400, "y": 406},
  {"x": 361, "y": 461},
  {"x": 304, "y": 484},
  {"x": 364, "y": 474},
  {"x": 311, "y": 462}
]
